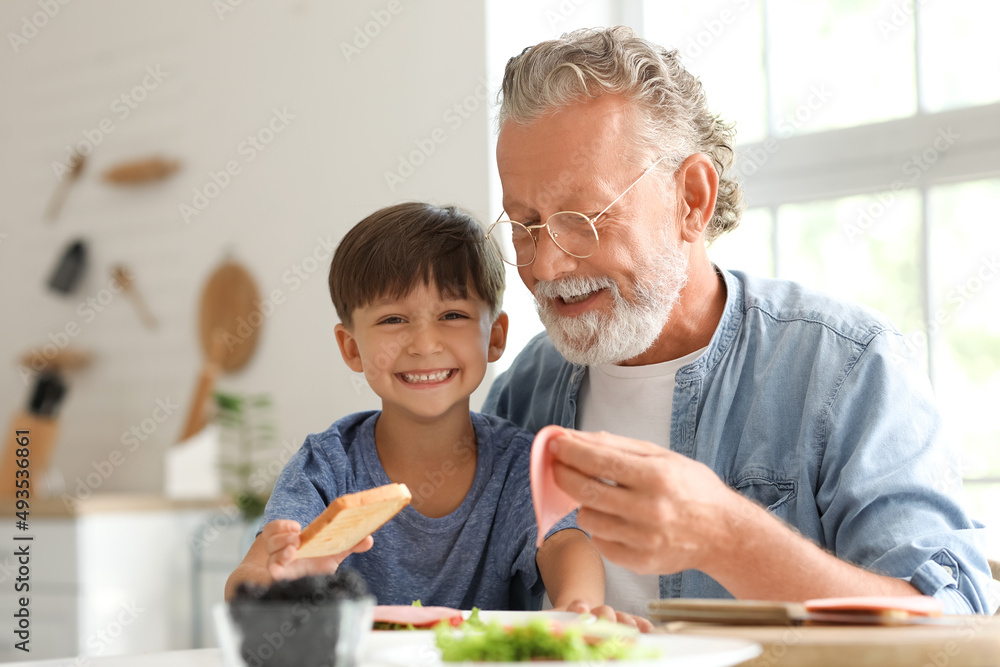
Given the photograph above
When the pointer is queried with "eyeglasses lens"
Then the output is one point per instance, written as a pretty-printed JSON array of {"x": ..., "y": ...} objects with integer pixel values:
[
  {"x": 513, "y": 242},
  {"x": 573, "y": 233}
]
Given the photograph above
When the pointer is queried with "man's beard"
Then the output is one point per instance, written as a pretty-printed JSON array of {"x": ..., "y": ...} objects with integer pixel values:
[{"x": 630, "y": 327}]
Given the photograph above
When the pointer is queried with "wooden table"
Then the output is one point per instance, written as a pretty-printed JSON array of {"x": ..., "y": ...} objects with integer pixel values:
[{"x": 975, "y": 642}]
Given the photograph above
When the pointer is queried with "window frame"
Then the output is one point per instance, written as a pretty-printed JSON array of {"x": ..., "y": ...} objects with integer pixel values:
[{"x": 868, "y": 159}]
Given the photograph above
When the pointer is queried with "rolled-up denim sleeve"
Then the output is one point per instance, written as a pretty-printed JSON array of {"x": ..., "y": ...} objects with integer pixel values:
[{"x": 889, "y": 487}]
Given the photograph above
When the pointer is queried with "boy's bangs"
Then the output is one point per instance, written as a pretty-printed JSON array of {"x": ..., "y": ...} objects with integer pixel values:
[
  {"x": 398, "y": 248},
  {"x": 449, "y": 272}
]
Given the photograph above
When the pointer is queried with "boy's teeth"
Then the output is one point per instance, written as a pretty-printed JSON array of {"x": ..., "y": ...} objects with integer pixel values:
[{"x": 426, "y": 377}]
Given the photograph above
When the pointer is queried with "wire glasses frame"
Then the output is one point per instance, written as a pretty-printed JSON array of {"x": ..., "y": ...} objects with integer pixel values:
[{"x": 572, "y": 232}]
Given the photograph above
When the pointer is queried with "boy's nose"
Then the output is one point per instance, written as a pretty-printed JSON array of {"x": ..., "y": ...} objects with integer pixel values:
[
  {"x": 425, "y": 341},
  {"x": 551, "y": 261}
]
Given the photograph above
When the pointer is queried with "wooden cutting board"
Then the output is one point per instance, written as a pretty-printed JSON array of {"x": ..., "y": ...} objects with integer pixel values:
[{"x": 973, "y": 643}]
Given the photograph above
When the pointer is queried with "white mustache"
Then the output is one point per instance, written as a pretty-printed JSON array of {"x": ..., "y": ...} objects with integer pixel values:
[{"x": 572, "y": 286}]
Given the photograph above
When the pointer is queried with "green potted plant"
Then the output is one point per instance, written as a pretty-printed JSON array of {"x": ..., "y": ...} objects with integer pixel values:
[{"x": 247, "y": 440}]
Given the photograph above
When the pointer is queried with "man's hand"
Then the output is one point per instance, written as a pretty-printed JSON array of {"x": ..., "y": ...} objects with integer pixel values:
[
  {"x": 654, "y": 511},
  {"x": 606, "y": 612},
  {"x": 280, "y": 540},
  {"x": 661, "y": 512}
]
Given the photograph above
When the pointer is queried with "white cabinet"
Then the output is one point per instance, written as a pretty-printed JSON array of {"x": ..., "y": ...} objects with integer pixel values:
[{"x": 115, "y": 576}]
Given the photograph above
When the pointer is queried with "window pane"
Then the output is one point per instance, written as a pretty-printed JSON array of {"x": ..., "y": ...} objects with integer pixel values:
[
  {"x": 966, "y": 317},
  {"x": 833, "y": 64},
  {"x": 865, "y": 249},
  {"x": 959, "y": 58},
  {"x": 720, "y": 43},
  {"x": 748, "y": 247}
]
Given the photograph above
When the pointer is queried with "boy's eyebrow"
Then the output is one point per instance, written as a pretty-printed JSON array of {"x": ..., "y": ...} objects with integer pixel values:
[{"x": 444, "y": 298}]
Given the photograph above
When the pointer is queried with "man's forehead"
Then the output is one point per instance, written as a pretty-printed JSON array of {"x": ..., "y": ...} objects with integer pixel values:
[
  {"x": 569, "y": 154},
  {"x": 578, "y": 132}
]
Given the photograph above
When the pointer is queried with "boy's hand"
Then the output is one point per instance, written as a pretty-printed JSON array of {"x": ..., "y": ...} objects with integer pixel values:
[
  {"x": 606, "y": 612},
  {"x": 281, "y": 541}
]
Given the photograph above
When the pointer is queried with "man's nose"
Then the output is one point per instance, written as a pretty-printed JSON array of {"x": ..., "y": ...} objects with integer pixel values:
[{"x": 551, "y": 261}]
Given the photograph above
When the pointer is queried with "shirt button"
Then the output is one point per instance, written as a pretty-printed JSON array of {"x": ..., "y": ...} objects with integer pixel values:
[{"x": 948, "y": 569}]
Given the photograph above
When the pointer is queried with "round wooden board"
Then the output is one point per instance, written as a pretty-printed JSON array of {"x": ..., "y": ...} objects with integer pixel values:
[{"x": 227, "y": 304}]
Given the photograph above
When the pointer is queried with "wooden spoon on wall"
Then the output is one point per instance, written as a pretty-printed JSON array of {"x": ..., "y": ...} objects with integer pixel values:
[{"x": 228, "y": 329}]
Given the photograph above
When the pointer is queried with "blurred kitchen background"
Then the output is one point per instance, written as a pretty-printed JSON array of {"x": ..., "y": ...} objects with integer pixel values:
[{"x": 226, "y": 147}]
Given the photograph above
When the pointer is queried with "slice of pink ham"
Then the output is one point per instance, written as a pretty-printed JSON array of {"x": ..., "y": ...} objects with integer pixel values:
[
  {"x": 418, "y": 617},
  {"x": 915, "y": 605},
  {"x": 551, "y": 502}
]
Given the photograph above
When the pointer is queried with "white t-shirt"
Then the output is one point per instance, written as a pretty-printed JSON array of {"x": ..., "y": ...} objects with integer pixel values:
[{"x": 636, "y": 402}]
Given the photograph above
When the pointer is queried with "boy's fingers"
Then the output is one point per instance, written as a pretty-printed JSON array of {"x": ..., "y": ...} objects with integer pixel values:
[
  {"x": 644, "y": 624},
  {"x": 281, "y": 541},
  {"x": 282, "y": 526},
  {"x": 284, "y": 556},
  {"x": 363, "y": 545},
  {"x": 579, "y": 607},
  {"x": 605, "y": 612}
]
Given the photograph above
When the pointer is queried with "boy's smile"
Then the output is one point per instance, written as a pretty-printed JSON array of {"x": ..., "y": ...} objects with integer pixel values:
[
  {"x": 427, "y": 378},
  {"x": 423, "y": 353}
]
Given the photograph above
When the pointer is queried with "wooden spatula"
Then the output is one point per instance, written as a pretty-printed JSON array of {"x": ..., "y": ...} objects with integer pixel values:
[{"x": 228, "y": 330}]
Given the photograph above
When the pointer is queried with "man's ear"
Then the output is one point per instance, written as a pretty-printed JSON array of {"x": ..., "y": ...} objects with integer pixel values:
[
  {"x": 697, "y": 189},
  {"x": 498, "y": 336},
  {"x": 349, "y": 348}
]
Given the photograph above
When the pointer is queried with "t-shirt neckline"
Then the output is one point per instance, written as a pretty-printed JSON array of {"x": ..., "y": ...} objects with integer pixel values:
[
  {"x": 660, "y": 369},
  {"x": 484, "y": 458}
]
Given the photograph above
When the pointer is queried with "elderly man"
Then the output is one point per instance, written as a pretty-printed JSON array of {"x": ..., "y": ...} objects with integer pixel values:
[{"x": 759, "y": 439}]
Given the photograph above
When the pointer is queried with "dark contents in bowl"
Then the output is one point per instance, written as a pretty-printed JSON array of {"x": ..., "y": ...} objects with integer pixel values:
[{"x": 299, "y": 621}]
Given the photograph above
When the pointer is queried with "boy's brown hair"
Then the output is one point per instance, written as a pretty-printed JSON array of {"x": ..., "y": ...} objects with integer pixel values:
[{"x": 387, "y": 253}]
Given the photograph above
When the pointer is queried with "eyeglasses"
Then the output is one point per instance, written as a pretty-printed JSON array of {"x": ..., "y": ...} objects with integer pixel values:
[{"x": 574, "y": 233}]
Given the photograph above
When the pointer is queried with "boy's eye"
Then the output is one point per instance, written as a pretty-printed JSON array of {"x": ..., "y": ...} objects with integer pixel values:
[
  {"x": 392, "y": 319},
  {"x": 454, "y": 316}
]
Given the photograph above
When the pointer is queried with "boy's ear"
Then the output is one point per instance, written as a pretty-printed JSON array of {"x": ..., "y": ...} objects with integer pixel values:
[
  {"x": 349, "y": 348},
  {"x": 498, "y": 336}
]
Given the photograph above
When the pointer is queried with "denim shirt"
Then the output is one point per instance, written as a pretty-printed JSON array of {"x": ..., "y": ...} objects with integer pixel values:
[{"x": 801, "y": 404}]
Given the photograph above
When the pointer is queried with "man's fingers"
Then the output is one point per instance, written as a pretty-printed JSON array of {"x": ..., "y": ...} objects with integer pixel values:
[
  {"x": 618, "y": 442},
  {"x": 640, "y": 561},
  {"x": 592, "y": 458},
  {"x": 592, "y": 493},
  {"x": 625, "y": 527}
]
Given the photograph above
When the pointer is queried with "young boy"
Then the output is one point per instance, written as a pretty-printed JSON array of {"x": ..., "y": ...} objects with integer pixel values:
[{"x": 418, "y": 292}]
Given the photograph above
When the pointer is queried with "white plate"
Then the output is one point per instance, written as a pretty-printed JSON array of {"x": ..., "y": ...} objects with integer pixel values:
[{"x": 675, "y": 651}]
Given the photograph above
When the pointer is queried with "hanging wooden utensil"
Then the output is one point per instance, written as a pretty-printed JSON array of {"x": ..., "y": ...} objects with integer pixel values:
[
  {"x": 75, "y": 164},
  {"x": 123, "y": 276},
  {"x": 228, "y": 328},
  {"x": 138, "y": 172}
]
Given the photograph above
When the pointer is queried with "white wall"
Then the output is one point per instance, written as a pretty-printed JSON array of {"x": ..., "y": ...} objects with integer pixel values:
[
  {"x": 224, "y": 77},
  {"x": 514, "y": 25}
]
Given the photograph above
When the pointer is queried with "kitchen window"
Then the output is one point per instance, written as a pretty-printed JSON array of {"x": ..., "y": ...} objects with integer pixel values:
[{"x": 869, "y": 146}]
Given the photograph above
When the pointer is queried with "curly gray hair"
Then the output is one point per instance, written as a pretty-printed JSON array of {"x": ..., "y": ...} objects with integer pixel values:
[{"x": 672, "y": 116}]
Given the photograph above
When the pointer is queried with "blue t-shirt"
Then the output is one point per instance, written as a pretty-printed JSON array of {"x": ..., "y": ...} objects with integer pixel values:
[{"x": 481, "y": 555}]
